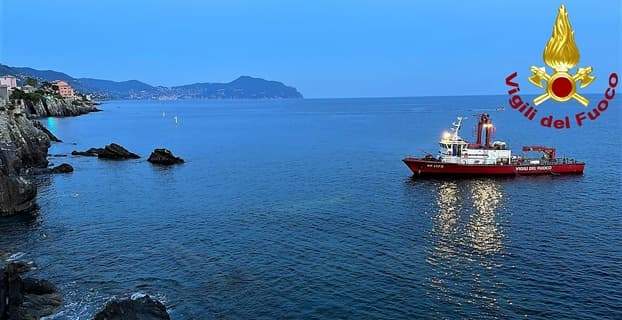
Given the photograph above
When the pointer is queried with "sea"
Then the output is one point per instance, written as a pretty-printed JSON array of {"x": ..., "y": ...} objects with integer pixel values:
[{"x": 303, "y": 209}]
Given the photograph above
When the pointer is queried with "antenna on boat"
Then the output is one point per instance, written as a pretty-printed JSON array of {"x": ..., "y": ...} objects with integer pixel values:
[{"x": 456, "y": 126}]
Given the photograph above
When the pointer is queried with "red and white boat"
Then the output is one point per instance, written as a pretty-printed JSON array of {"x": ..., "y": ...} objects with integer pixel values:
[{"x": 458, "y": 157}]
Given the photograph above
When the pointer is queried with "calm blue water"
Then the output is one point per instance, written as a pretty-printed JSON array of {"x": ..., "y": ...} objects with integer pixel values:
[{"x": 303, "y": 209}]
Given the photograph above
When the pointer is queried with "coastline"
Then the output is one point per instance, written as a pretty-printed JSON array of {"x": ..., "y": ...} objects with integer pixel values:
[{"x": 24, "y": 146}]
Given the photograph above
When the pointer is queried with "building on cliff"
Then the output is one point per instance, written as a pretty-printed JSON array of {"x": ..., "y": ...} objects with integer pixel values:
[
  {"x": 4, "y": 94},
  {"x": 9, "y": 81},
  {"x": 28, "y": 89},
  {"x": 64, "y": 89}
]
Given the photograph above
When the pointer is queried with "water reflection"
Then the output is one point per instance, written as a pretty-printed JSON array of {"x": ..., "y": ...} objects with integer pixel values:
[
  {"x": 483, "y": 230},
  {"x": 448, "y": 203},
  {"x": 52, "y": 124},
  {"x": 466, "y": 238}
]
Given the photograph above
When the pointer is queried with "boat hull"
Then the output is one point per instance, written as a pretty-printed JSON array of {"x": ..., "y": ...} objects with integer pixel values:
[{"x": 422, "y": 167}]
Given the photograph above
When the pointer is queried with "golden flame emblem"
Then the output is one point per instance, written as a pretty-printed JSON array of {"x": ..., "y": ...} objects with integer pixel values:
[
  {"x": 561, "y": 54},
  {"x": 561, "y": 51}
]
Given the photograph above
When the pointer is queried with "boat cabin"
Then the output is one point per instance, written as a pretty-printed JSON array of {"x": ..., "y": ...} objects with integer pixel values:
[{"x": 454, "y": 149}]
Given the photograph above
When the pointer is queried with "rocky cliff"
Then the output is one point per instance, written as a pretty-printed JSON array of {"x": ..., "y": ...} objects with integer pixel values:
[
  {"x": 24, "y": 143},
  {"x": 22, "y": 146},
  {"x": 50, "y": 106}
]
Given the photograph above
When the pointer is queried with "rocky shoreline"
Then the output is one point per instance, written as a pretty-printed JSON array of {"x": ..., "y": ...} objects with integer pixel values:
[
  {"x": 27, "y": 298},
  {"x": 24, "y": 297},
  {"x": 24, "y": 144},
  {"x": 50, "y": 106}
]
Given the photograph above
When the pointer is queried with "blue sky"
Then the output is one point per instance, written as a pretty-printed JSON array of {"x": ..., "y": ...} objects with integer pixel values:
[{"x": 324, "y": 48}]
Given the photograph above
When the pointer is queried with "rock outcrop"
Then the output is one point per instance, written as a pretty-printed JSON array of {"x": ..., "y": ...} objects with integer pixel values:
[
  {"x": 50, "y": 106},
  {"x": 26, "y": 298},
  {"x": 164, "y": 157},
  {"x": 62, "y": 168},
  {"x": 22, "y": 146},
  {"x": 135, "y": 308},
  {"x": 17, "y": 194},
  {"x": 92, "y": 152},
  {"x": 112, "y": 151}
]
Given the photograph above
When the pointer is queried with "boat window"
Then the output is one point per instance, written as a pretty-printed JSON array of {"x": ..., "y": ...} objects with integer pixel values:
[{"x": 456, "y": 150}]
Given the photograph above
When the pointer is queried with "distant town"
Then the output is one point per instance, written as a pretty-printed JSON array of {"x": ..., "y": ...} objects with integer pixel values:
[{"x": 33, "y": 90}]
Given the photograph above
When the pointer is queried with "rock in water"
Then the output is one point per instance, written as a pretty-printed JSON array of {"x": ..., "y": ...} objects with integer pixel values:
[
  {"x": 116, "y": 152},
  {"x": 112, "y": 151},
  {"x": 38, "y": 286},
  {"x": 26, "y": 298},
  {"x": 21, "y": 266},
  {"x": 92, "y": 152},
  {"x": 17, "y": 194},
  {"x": 11, "y": 296},
  {"x": 142, "y": 308},
  {"x": 164, "y": 157},
  {"x": 62, "y": 168}
]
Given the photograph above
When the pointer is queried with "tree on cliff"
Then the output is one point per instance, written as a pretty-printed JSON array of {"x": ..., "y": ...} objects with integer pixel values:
[
  {"x": 33, "y": 97},
  {"x": 31, "y": 82}
]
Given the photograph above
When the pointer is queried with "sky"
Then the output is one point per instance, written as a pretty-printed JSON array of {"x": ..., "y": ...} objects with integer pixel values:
[{"x": 324, "y": 48}]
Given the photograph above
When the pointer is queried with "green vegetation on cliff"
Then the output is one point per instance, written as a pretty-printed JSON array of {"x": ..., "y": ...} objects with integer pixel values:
[{"x": 32, "y": 97}]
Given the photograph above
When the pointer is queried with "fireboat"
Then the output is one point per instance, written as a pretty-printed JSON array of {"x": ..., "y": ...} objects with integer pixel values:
[{"x": 458, "y": 157}]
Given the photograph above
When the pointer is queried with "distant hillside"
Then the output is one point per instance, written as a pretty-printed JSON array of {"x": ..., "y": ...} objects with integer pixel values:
[
  {"x": 123, "y": 89},
  {"x": 242, "y": 88}
]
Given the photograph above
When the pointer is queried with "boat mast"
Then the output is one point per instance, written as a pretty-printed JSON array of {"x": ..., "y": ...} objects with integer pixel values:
[{"x": 455, "y": 129}]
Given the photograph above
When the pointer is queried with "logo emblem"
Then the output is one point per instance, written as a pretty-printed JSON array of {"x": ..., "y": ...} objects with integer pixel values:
[{"x": 561, "y": 54}]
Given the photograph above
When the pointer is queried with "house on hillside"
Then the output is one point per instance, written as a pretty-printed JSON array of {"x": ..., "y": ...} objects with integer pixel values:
[
  {"x": 64, "y": 89},
  {"x": 9, "y": 81},
  {"x": 28, "y": 88},
  {"x": 4, "y": 94}
]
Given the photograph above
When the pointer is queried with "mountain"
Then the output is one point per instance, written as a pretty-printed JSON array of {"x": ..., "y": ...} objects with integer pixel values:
[
  {"x": 244, "y": 87},
  {"x": 40, "y": 74},
  {"x": 121, "y": 89}
]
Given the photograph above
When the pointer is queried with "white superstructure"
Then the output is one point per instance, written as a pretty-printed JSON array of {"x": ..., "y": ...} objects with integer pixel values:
[{"x": 454, "y": 149}]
